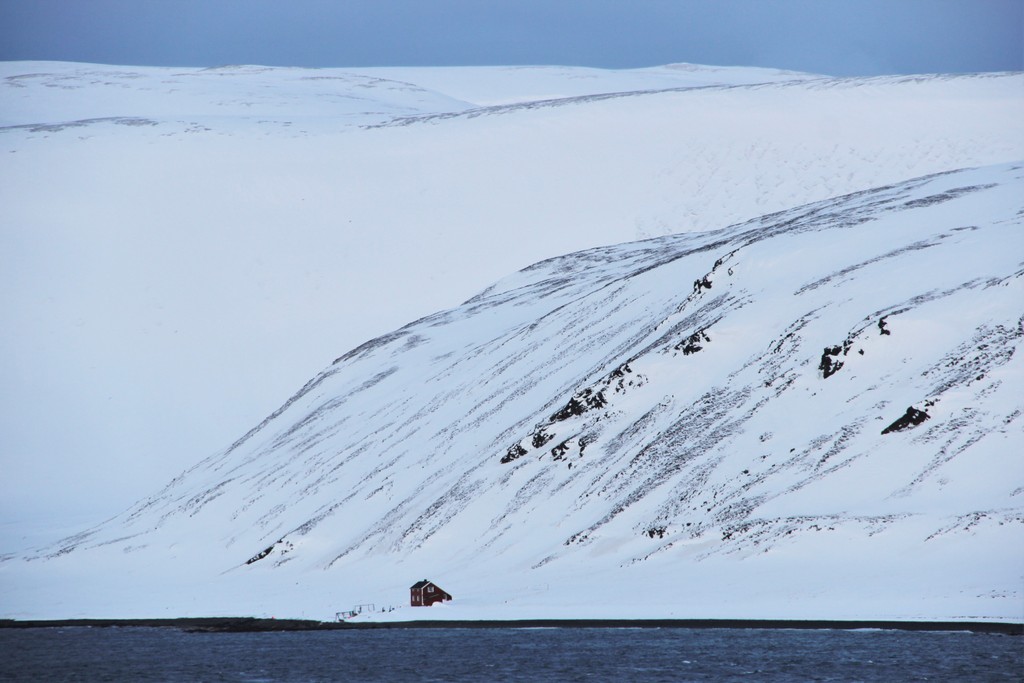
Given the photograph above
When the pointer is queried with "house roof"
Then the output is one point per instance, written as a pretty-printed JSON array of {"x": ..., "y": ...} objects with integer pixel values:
[{"x": 424, "y": 583}]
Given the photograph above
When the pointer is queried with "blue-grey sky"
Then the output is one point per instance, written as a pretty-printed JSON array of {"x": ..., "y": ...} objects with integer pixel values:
[{"x": 837, "y": 37}]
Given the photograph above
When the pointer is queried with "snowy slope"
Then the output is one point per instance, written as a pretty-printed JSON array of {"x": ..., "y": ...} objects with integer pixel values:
[
  {"x": 816, "y": 414},
  {"x": 179, "y": 248}
]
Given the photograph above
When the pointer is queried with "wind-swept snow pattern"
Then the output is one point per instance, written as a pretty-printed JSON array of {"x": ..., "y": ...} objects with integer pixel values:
[
  {"x": 180, "y": 247},
  {"x": 815, "y": 413}
]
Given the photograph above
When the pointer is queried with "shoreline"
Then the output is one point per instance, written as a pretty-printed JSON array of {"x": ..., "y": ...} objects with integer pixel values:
[{"x": 259, "y": 625}]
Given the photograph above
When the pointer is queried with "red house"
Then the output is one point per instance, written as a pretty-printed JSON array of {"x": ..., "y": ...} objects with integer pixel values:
[{"x": 425, "y": 593}]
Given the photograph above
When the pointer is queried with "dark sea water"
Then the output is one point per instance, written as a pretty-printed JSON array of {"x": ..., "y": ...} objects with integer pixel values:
[{"x": 553, "y": 654}]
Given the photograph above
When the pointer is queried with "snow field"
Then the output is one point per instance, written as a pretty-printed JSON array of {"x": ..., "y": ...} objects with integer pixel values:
[{"x": 182, "y": 267}]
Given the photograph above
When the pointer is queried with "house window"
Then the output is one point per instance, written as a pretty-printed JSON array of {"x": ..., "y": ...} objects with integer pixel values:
[{"x": 430, "y": 589}]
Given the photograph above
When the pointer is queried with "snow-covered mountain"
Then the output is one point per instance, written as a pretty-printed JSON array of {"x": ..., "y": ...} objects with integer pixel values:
[
  {"x": 815, "y": 413},
  {"x": 180, "y": 248}
]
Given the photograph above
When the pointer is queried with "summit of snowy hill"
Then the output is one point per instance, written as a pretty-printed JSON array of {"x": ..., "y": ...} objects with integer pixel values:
[
  {"x": 46, "y": 96},
  {"x": 816, "y": 413},
  {"x": 181, "y": 247},
  {"x": 52, "y": 94},
  {"x": 489, "y": 86}
]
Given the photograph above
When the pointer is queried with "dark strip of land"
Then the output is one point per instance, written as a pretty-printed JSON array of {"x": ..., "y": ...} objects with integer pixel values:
[{"x": 254, "y": 625}]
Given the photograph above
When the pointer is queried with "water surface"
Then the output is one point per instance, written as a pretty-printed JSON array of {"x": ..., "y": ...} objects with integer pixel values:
[{"x": 505, "y": 654}]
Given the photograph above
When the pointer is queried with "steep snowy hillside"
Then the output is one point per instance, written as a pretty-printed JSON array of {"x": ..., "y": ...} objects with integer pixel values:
[
  {"x": 179, "y": 248},
  {"x": 813, "y": 414}
]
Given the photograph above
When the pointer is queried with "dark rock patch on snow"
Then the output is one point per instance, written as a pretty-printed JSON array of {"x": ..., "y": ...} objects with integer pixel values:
[{"x": 908, "y": 420}]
